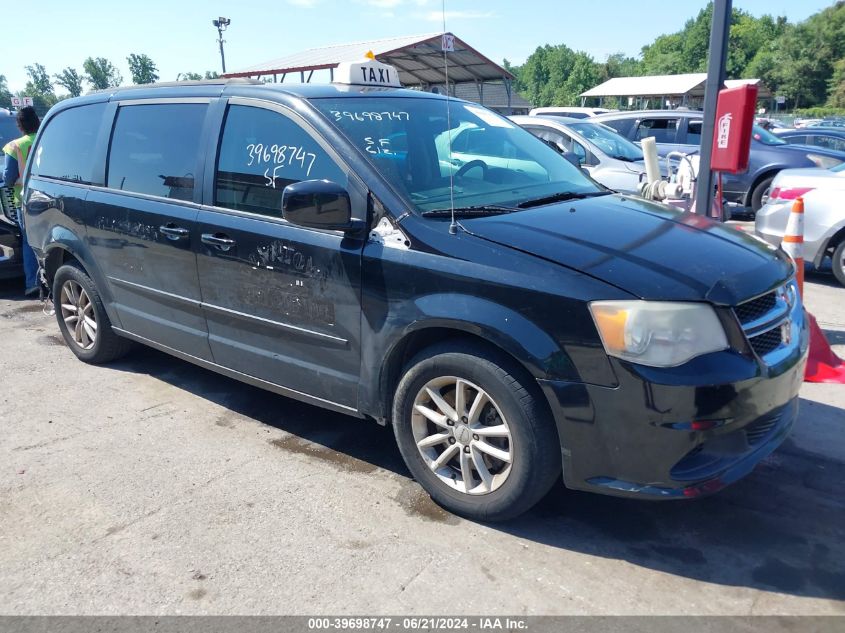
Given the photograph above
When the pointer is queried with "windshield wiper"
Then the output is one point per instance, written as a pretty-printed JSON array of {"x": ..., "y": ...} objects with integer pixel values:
[
  {"x": 561, "y": 197},
  {"x": 481, "y": 209},
  {"x": 626, "y": 159}
]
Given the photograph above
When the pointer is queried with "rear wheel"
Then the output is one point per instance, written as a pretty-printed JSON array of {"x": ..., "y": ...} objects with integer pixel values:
[
  {"x": 82, "y": 317},
  {"x": 473, "y": 432},
  {"x": 838, "y": 261},
  {"x": 760, "y": 195}
]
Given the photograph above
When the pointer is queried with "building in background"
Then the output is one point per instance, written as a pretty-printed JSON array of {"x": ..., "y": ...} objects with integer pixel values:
[{"x": 420, "y": 62}]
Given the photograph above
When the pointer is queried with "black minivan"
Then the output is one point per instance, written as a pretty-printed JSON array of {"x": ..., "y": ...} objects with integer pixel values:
[{"x": 509, "y": 317}]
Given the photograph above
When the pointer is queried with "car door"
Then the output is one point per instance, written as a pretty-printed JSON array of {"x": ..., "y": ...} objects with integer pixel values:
[
  {"x": 143, "y": 222},
  {"x": 282, "y": 302}
]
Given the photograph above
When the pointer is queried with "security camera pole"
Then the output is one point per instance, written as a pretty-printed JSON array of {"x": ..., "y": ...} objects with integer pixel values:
[
  {"x": 221, "y": 23},
  {"x": 716, "y": 63}
]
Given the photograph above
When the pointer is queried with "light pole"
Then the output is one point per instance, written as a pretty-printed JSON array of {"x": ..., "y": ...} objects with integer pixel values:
[{"x": 221, "y": 23}]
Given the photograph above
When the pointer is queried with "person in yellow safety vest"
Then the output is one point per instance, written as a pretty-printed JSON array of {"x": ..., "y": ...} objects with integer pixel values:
[{"x": 16, "y": 153}]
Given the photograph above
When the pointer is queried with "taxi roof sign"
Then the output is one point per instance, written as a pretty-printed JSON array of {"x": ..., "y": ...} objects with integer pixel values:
[{"x": 368, "y": 72}]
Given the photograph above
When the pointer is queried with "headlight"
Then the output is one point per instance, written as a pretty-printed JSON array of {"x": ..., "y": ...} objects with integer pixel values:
[
  {"x": 658, "y": 333},
  {"x": 825, "y": 162}
]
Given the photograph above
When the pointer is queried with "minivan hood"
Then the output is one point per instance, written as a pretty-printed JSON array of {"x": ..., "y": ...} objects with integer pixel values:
[{"x": 649, "y": 250}]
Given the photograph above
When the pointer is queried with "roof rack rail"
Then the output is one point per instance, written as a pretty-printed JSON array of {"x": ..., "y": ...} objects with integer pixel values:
[{"x": 221, "y": 81}]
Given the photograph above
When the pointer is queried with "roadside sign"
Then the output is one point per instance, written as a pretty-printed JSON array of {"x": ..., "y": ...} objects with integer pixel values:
[
  {"x": 27, "y": 101},
  {"x": 18, "y": 102},
  {"x": 448, "y": 43},
  {"x": 780, "y": 99}
]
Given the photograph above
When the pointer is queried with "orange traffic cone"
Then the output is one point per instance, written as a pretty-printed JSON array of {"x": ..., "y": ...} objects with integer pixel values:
[
  {"x": 793, "y": 241},
  {"x": 822, "y": 364}
]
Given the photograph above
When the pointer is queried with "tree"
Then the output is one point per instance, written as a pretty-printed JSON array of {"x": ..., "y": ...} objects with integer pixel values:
[
  {"x": 209, "y": 74},
  {"x": 101, "y": 73},
  {"x": 5, "y": 93},
  {"x": 39, "y": 82},
  {"x": 142, "y": 69},
  {"x": 70, "y": 80}
]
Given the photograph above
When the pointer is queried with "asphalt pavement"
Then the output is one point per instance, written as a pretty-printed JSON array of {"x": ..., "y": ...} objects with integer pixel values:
[{"x": 151, "y": 486}]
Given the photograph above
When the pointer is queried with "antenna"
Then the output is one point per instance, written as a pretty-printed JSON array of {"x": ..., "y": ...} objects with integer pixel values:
[{"x": 453, "y": 226}]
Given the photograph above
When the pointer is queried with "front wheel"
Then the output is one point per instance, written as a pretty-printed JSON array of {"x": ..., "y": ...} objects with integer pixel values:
[
  {"x": 474, "y": 433},
  {"x": 838, "y": 261}
]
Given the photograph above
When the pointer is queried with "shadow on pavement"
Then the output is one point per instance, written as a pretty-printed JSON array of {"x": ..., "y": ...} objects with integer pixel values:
[{"x": 781, "y": 529}]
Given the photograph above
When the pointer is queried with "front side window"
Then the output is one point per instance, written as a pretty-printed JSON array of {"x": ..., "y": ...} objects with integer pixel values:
[
  {"x": 830, "y": 142},
  {"x": 154, "y": 149},
  {"x": 663, "y": 130},
  {"x": 421, "y": 150},
  {"x": 67, "y": 147},
  {"x": 611, "y": 143},
  {"x": 261, "y": 153}
]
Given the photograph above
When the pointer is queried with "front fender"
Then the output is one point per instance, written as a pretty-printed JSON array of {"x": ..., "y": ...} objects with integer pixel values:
[{"x": 502, "y": 326}]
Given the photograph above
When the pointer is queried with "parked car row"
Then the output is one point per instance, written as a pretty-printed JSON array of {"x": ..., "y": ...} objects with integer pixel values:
[{"x": 806, "y": 162}]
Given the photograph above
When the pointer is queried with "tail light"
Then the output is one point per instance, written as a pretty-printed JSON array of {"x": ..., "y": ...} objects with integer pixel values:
[{"x": 788, "y": 193}]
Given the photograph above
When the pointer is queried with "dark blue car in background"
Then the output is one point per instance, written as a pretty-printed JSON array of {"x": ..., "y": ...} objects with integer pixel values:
[{"x": 680, "y": 130}]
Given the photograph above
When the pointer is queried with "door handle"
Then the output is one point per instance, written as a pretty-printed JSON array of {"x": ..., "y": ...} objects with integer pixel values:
[
  {"x": 219, "y": 240},
  {"x": 173, "y": 232}
]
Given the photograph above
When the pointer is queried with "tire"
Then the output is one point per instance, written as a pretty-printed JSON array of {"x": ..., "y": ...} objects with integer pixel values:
[
  {"x": 838, "y": 262},
  {"x": 512, "y": 406},
  {"x": 93, "y": 340},
  {"x": 760, "y": 190}
]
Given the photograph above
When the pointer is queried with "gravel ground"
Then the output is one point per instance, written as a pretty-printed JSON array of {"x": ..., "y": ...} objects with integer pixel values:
[{"x": 154, "y": 487}]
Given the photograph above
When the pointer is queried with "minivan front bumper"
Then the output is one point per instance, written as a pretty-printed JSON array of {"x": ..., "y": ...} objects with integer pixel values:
[{"x": 677, "y": 432}]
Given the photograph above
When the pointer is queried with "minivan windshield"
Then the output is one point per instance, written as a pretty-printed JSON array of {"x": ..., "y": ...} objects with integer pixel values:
[
  {"x": 420, "y": 148},
  {"x": 608, "y": 141}
]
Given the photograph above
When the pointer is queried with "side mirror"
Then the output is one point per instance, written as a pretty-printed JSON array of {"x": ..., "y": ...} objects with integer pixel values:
[
  {"x": 573, "y": 158},
  {"x": 318, "y": 204}
]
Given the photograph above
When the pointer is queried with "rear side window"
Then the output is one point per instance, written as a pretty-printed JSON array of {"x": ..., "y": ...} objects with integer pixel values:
[
  {"x": 261, "y": 153},
  {"x": 663, "y": 130},
  {"x": 68, "y": 145},
  {"x": 154, "y": 149},
  {"x": 694, "y": 132}
]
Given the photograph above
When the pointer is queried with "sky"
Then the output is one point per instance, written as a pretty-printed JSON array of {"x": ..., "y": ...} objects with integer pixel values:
[{"x": 179, "y": 36}]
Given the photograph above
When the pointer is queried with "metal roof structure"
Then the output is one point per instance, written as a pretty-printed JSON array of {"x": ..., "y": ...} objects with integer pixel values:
[
  {"x": 685, "y": 85},
  {"x": 418, "y": 58}
]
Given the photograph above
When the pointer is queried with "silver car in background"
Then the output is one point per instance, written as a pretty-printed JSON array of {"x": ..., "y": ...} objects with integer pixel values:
[
  {"x": 610, "y": 158},
  {"x": 823, "y": 191}
]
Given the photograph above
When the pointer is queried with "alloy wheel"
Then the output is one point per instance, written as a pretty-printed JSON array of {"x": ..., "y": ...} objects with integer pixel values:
[
  {"x": 462, "y": 435},
  {"x": 78, "y": 314}
]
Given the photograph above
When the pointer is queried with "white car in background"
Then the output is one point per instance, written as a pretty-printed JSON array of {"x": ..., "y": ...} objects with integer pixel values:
[
  {"x": 609, "y": 158},
  {"x": 823, "y": 191},
  {"x": 571, "y": 111}
]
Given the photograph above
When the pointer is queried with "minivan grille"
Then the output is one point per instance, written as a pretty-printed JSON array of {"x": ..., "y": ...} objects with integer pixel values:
[
  {"x": 756, "y": 308},
  {"x": 7, "y": 204},
  {"x": 761, "y": 318},
  {"x": 766, "y": 342},
  {"x": 757, "y": 431}
]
